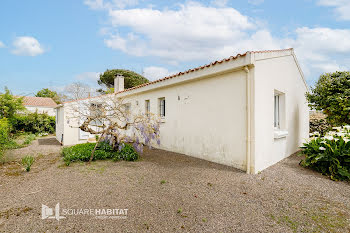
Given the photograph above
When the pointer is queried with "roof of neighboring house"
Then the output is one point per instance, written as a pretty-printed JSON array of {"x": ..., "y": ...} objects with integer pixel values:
[
  {"x": 38, "y": 101},
  {"x": 192, "y": 70}
]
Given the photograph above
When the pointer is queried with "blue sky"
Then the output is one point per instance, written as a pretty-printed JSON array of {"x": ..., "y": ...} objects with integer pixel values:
[{"x": 54, "y": 43}]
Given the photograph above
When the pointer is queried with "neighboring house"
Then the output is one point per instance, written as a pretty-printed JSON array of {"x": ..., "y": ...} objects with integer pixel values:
[
  {"x": 40, "y": 105},
  {"x": 247, "y": 111}
]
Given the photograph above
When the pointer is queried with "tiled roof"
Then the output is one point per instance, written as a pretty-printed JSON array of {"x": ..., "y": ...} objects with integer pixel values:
[
  {"x": 194, "y": 69},
  {"x": 202, "y": 67},
  {"x": 38, "y": 101}
]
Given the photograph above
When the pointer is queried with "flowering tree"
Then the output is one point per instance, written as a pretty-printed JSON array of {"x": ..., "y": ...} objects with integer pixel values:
[{"x": 113, "y": 120}]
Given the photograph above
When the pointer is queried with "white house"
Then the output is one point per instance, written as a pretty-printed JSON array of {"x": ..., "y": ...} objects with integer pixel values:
[
  {"x": 247, "y": 111},
  {"x": 40, "y": 105}
]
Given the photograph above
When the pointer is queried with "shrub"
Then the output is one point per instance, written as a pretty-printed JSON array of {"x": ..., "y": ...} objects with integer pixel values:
[
  {"x": 4, "y": 131},
  {"x": 82, "y": 152},
  {"x": 318, "y": 123},
  {"x": 27, "y": 162},
  {"x": 128, "y": 153},
  {"x": 329, "y": 154},
  {"x": 4, "y": 135},
  {"x": 33, "y": 123}
]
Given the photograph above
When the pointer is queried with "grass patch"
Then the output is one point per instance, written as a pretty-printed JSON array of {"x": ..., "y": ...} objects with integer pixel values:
[
  {"x": 14, "y": 212},
  {"x": 27, "y": 162},
  {"x": 321, "y": 219},
  {"x": 29, "y": 138}
]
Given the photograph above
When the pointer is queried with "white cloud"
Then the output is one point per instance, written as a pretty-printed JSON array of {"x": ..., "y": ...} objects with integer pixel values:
[
  {"x": 219, "y": 3},
  {"x": 154, "y": 72},
  {"x": 2, "y": 45},
  {"x": 88, "y": 76},
  {"x": 195, "y": 33},
  {"x": 323, "y": 41},
  {"x": 321, "y": 49},
  {"x": 27, "y": 46},
  {"x": 101, "y": 4},
  {"x": 95, "y": 4},
  {"x": 255, "y": 2},
  {"x": 329, "y": 67},
  {"x": 342, "y": 7}
]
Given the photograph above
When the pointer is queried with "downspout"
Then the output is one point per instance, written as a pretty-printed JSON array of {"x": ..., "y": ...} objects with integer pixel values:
[{"x": 248, "y": 155}]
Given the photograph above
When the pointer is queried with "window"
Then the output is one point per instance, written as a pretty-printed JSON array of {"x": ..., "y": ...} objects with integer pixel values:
[
  {"x": 276, "y": 123},
  {"x": 147, "y": 107},
  {"x": 96, "y": 113},
  {"x": 162, "y": 107},
  {"x": 127, "y": 109}
]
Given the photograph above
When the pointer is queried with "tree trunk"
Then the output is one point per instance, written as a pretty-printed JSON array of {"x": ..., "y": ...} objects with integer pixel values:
[{"x": 93, "y": 151}]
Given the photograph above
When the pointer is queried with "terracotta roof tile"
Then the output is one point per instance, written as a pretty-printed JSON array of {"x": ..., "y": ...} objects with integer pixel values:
[{"x": 38, "y": 101}]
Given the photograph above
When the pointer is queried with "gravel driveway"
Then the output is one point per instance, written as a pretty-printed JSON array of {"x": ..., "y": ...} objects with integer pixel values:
[{"x": 169, "y": 192}]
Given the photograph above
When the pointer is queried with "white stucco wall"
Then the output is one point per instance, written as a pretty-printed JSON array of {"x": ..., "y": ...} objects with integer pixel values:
[
  {"x": 278, "y": 74},
  {"x": 60, "y": 127},
  {"x": 205, "y": 118},
  {"x": 49, "y": 110}
]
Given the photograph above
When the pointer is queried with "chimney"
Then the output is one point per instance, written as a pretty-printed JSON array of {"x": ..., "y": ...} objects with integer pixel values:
[{"x": 118, "y": 83}]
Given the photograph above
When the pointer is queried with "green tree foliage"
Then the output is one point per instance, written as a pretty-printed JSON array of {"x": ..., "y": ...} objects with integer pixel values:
[
  {"x": 332, "y": 95},
  {"x": 46, "y": 92},
  {"x": 131, "y": 79},
  {"x": 10, "y": 104}
]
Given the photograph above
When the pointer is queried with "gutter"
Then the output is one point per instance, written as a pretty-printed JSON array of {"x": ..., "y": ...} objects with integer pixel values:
[{"x": 248, "y": 152}]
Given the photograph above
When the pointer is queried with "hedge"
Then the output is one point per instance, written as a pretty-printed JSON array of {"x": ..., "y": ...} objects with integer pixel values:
[{"x": 33, "y": 123}]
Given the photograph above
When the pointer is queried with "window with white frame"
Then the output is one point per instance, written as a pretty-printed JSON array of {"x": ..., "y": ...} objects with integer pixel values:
[
  {"x": 147, "y": 107},
  {"x": 162, "y": 107}
]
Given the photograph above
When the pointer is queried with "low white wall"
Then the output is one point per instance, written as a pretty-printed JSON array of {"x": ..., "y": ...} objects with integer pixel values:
[
  {"x": 281, "y": 74},
  {"x": 48, "y": 110}
]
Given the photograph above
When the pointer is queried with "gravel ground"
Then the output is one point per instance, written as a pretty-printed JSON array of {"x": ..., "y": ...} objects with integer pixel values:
[{"x": 169, "y": 192}]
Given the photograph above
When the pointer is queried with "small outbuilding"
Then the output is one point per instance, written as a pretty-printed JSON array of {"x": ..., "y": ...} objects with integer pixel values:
[{"x": 248, "y": 111}]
